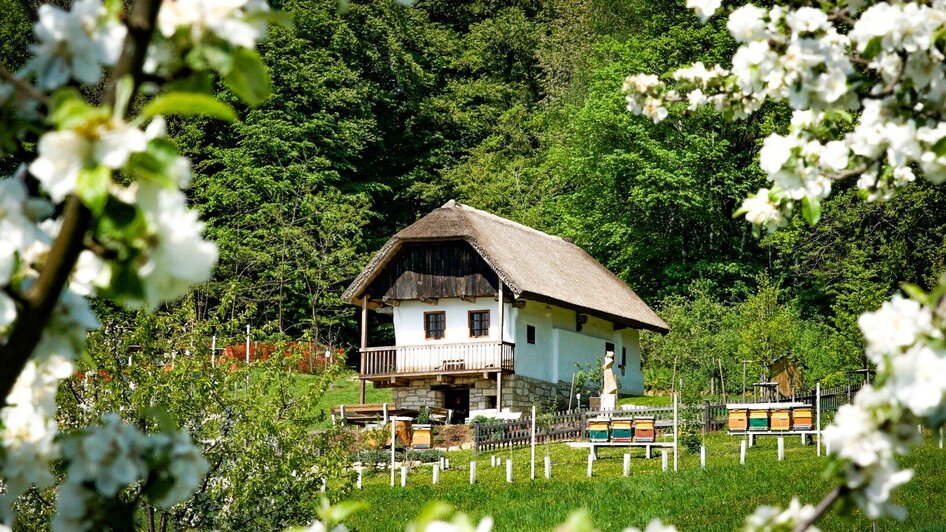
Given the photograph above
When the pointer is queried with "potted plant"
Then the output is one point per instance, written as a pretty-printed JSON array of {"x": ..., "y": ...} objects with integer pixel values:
[{"x": 422, "y": 429}]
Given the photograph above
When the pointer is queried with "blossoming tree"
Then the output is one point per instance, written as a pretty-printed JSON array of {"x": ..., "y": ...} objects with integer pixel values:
[
  {"x": 100, "y": 213},
  {"x": 867, "y": 85}
]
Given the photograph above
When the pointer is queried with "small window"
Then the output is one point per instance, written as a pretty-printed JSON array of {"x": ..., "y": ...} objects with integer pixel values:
[
  {"x": 479, "y": 323},
  {"x": 608, "y": 346},
  {"x": 434, "y": 325},
  {"x": 623, "y": 359},
  {"x": 530, "y": 334}
]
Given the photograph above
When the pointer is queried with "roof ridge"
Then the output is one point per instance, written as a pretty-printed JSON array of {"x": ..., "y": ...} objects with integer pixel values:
[{"x": 452, "y": 204}]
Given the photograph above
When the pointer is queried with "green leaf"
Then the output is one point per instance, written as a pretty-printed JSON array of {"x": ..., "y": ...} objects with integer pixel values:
[
  {"x": 92, "y": 187},
  {"x": 276, "y": 18},
  {"x": 67, "y": 109},
  {"x": 873, "y": 48},
  {"x": 914, "y": 291},
  {"x": 189, "y": 104},
  {"x": 939, "y": 147},
  {"x": 159, "y": 163},
  {"x": 811, "y": 209},
  {"x": 248, "y": 78}
]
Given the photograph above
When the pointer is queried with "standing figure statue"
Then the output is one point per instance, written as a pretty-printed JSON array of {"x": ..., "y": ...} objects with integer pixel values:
[{"x": 609, "y": 386}]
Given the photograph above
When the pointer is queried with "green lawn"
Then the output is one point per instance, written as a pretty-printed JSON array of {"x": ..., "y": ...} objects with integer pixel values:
[
  {"x": 345, "y": 391},
  {"x": 647, "y": 400},
  {"x": 692, "y": 499}
]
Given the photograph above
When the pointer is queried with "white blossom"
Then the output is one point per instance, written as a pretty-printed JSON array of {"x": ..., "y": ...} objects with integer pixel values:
[
  {"x": 230, "y": 20},
  {"x": 747, "y": 23},
  {"x": 919, "y": 379},
  {"x": 179, "y": 257},
  {"x": 704, "y": 8},
  {"x": 770, "y": 519},
  {"x": 896, "y": 325},
  {"x": 655, "y": 525},
  {"x": 74, "y": 44}
]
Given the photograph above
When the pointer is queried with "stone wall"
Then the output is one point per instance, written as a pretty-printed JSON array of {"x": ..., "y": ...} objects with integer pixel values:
[{"x": 519, "y": 393}]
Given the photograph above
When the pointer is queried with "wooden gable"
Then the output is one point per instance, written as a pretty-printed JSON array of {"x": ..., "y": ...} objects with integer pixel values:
[{"x": 433, "y": 270}]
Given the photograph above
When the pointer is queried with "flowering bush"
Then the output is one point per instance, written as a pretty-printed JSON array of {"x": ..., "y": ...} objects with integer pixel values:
[
  {"x": 100, "y": 213},
  {"x": 867, "y": 86}
]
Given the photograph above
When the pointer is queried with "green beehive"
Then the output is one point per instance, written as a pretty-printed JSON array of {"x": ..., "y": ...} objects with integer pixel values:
[
  {"x": 598, "y": 430},
  {"x": 622, "y": 430},
  {"x": 759, "y": 420}
]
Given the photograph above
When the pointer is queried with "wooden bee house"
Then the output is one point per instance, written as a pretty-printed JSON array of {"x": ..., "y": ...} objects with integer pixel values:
[
  {"x": 598, "y": 430},
  {"x": 644, "y": 429},
  {"x": 622, "y": 430},
  {"x": 759, "y": 419},
  {"x": 781, "y": 419},
  {"x": 738, "y": 419},
  {"x": 802, "y": 418}
]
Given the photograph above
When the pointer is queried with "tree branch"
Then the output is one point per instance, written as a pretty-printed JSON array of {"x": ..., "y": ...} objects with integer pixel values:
[
  {"x": 40, "y": 300},
  {"x": 822, "y": 507}
]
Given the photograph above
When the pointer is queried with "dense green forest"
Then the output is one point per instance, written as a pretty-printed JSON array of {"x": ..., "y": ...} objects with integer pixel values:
[{"x": 382, "y": 112}]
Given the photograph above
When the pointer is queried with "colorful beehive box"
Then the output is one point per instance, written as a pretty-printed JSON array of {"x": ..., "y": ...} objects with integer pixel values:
[
  {"x": 421, "y": 438},
  {"x": 622, "y": 430},
  {"x": 781, "y": 419},
  {"x": 801, "y": 418},
  {"x": 759, "y": 419},
  {"x": 644, "y": 429},
  {"x": 738, "y": 419},
  {"x": 598, "y": 430}
]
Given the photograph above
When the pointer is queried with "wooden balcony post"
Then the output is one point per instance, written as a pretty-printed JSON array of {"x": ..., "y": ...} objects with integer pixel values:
[
  {"x": 364, "y": 344},
  {"x": 499, "y": 351}
]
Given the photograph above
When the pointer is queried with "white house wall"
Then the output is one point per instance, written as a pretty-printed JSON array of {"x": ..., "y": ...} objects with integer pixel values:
[
  {"x": 558, "y": 347},
  {"x": 409, "y": 321}
]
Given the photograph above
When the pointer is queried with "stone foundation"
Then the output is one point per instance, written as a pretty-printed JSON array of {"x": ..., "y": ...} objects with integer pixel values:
[{"x": 519, "y": 393}]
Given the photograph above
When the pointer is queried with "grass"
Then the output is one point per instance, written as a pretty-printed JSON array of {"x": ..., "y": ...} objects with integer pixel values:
[
  {"x": 344, "y": 391},
  {"x": 647, "y": 400},
  {"x": 718, "y": 498}
]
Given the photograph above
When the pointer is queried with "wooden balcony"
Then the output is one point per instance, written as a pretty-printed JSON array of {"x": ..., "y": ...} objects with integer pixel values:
[{"x": 436, "y": 359}]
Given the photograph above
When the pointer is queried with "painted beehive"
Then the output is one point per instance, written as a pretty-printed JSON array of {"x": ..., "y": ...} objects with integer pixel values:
[
  {"x": 622, "y": 430},
  {"x": 759, "y": 419},
  {"x": 421, "y": 438},
  {"x": 598, "y": 430},
  {"x": 802, "y": 418},
  {"x": 781, "y": 419},
  {"x": 738, "y": 420},
  {"x": 644, "y": 429}
]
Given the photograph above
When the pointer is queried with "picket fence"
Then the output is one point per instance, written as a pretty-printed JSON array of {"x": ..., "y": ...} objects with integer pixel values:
[{"x": 573, "y": 424}]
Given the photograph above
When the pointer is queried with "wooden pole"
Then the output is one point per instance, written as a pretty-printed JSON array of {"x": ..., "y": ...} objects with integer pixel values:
[
  {"x": 533, "y": 444},
  {"x": 499, "y": 349},
  {"x": 473, "y": 472},
  {"x": 627, "y": 464},
  {"x": 548, "y": 467},
  {"x": 509, "y": 471},
  {"x": 702, "y": 457},
  {"x": 364, "y": 345},
  {"x": 403, "y": 476},
  {"x": 663, "y": 459},
  {"x": 781, "y": 448},
  {"x": 591, "y": 462},
  {"x": 436, "y": 473},
  {"x": 742, "y": 452}
]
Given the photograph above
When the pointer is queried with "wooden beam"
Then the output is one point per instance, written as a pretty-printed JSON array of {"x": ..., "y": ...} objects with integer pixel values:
[
  {"x": 428, "y": 300},
  {"x": 619, "y": 326},
  {"x": 391, "y": 302},
  {"x": 446, "y": 379},
  {"x": 364, "y": 345},
  {"x": 468, "y": 299}
]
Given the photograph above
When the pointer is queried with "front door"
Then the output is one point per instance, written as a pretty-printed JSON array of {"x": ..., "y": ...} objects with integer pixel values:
[{"x": 457, "y": 400}]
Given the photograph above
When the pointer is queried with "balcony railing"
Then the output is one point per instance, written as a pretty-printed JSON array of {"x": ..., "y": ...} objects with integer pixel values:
[{"x": 437, "y": 358}]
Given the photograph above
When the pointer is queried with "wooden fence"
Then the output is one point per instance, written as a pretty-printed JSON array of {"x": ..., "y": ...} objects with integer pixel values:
[{"x": 572, "y": 425}]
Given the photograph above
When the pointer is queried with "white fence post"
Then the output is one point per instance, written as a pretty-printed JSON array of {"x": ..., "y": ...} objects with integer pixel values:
[
  {"x": 818, "y": 415},
  {"x": 675, "y": 408},
  {"x": 742, "y": 452},
  {"x": 473, "y": 472},
  {"x": 436, "y": 473},
  {"x": 509, "y": 471},
  {"x": 393, "y": 436},
  {"x": 941, "y": 437},
  {"x": 548, "y": 467},
  {"x": 532, "y": 468},
  {"x": 360, "y": 483},
  {"x": 663, "y": 459},
  {"x": 781, "y": 448},
  {"x": 627, "y": 464},
  {"x": 590, "y": 464},
  {"x": 702, "y": 457},
  {"x": 403, "y": 476}
]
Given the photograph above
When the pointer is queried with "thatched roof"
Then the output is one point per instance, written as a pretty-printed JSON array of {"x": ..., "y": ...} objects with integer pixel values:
[{"x": 534, "y": 265}]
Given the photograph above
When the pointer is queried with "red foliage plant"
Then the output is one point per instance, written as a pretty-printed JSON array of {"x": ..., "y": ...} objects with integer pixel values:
[{"x": 310, "y": 355}]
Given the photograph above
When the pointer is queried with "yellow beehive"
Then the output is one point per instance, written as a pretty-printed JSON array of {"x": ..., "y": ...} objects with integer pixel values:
[
  {"x": 738, "y": 420},
  {"x": 781, "y": 419}
]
